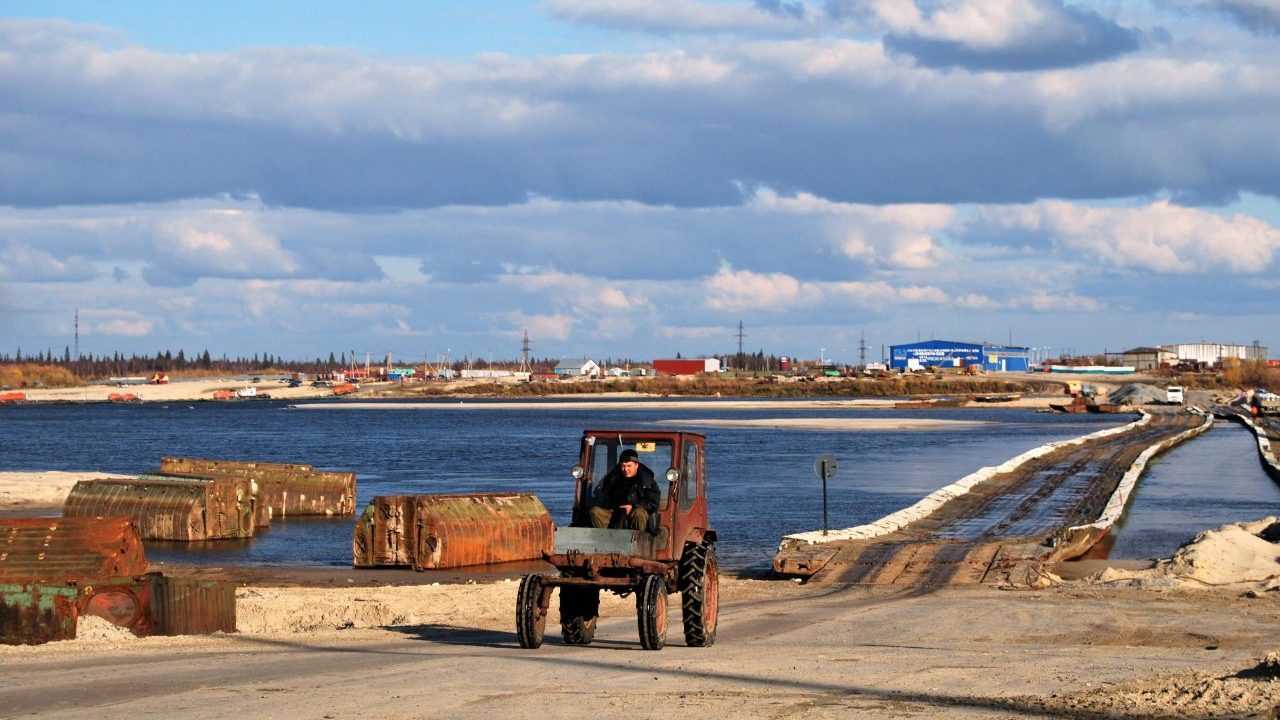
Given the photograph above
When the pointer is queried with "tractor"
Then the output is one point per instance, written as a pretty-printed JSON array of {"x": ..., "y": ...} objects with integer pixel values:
[{"x": 675, "y": 553}]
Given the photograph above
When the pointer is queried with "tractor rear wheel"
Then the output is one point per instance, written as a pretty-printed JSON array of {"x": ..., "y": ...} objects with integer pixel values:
[
  {"x": 531, "y": 617},
  {"x": 699, "y": 594},
  {"x": 651, "y": 612},
  {"x": 579, "y": 610}
]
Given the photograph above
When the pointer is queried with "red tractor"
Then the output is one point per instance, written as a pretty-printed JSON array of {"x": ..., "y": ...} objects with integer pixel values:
[{"x": 674, "y": 553}]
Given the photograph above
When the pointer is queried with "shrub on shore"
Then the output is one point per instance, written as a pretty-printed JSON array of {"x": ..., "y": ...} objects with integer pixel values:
[{"x": 27, "y": 375}]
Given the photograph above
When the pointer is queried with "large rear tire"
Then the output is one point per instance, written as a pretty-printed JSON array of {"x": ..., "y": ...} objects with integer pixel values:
[
  {"x": 531, "y": 618},
  {"x": 699, "y": 594},
  {"x": 579, "y": 610},
  {"x": 651, "y": 612}
]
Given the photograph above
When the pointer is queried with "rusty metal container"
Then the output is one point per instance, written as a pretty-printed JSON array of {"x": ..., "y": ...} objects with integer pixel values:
[
  {"x": 386, "y": 532},
  {"x": 460, "y": 530},
  {"x": 284, "y": 489},
  {"x": 69, "y": 548},
  {"x": 153, "y": 604},
  {"x": 149, "y": 604},
  {"x": 33, "y": 614},
  {"x": 170, "y": 507}
]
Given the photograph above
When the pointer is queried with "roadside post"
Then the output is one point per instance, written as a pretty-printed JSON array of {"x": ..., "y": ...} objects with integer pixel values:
[{"x": 825, "y": 468}]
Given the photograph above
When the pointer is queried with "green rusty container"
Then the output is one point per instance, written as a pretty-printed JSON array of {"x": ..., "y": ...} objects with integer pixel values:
[{"x": 33, "y": 614}]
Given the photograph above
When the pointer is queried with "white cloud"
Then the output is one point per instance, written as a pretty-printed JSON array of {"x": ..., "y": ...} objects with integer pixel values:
[
  {"x": 1159, "y": 237},
  {"x": 119, "y": 323},
  {"x": 555, "y": 327},
  {"x": 893, "y": 236},
  {"x": 733, "y": 290}
]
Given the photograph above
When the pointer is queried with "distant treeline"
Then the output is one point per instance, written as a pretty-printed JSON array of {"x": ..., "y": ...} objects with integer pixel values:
[{"x": 60, "y": 370}]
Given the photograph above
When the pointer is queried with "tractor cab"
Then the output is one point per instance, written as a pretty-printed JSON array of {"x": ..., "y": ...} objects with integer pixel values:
[{"x": 677, "y": 463}]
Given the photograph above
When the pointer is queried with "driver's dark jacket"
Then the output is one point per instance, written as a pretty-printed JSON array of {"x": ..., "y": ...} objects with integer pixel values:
[{"x": 642, "y": 491}]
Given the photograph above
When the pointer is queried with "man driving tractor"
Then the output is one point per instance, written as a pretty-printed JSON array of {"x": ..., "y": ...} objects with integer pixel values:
[{"x": 628, "y": 495}]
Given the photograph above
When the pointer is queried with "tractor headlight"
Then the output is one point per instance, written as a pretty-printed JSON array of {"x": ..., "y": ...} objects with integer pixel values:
[
  {"x": 672, "y": 474},
  {"x": 577, "y": 472}
]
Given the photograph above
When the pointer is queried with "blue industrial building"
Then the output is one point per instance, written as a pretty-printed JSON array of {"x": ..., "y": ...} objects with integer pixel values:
[{"x": 949, "y": 354}]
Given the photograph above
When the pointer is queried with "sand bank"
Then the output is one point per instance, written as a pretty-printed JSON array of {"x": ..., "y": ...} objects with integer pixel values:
[
  {"x": 839, "y": 424},
  {"x": 46, "y": 489}
]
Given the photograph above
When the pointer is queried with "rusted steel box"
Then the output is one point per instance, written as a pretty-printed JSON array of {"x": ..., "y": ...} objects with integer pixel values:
[
  {"x": 149, "y": 604},
  {"x": 153, "y": 604},
  {"x": 459, "y": 530},
  {"x": 59, "y": 549},
  {"x": 170, "y": 507},
  {"x": 284, "y": 489},
  {"x": 33, "y": 614},
  {"x": 386, "y": 533}
]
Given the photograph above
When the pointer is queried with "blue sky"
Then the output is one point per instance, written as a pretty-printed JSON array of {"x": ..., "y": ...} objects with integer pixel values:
[{"x": 632, "y": 178}]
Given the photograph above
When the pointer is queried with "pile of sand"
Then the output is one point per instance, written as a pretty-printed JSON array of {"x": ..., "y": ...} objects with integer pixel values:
[
  {"x": 1238, "y": 554},
  {"x": 1252, "y": 690},
  {"x": 91, "y": 628}
]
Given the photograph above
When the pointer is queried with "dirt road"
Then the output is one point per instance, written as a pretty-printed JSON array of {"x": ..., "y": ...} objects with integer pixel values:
[{"x": 783, "y": 651}]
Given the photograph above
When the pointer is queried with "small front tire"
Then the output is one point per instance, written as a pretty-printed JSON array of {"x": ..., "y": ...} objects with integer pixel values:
[
  {"x": 579, "y": 610},
  {"x": 531, "y": 617},
  {"x": 651, "y": 612}
]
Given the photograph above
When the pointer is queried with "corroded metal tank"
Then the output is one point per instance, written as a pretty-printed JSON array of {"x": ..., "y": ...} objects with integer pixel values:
[
  {"x": 284, "y": 489},
  {"x": 170, "y": 507},
  {"x": 435, "y": 532}
]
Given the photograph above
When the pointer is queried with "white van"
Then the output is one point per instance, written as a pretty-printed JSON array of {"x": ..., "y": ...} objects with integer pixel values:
[{"x": 1173, "y": 395}]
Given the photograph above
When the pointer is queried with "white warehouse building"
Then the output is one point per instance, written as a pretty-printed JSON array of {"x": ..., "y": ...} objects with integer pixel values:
[{"x": 1215, "y": 353}]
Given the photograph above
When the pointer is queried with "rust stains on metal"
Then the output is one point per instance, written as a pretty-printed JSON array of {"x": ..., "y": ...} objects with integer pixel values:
[
  {"x": 284, "y": 489},
  {"x": 56, "y": 570},
  {"x": 33, "y": 614},
  {"x": 153, "y": 604},
  {"x": 432, "y": 532},
  {"x": 170, "y": 507},
  {"x": 148, "y": 604},
  {"x": 386, "y": 534},
  {"x": 54, "y": 549}
]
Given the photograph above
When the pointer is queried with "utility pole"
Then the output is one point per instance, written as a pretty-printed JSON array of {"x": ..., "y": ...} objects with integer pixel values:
[{"x": 77, "y": 355}]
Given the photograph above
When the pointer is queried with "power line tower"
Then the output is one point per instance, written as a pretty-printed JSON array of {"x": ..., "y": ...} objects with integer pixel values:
[
  {"x": 77, "y": 355},
  {"x": 741, "y": 336},
  {"x": 862, "y": 349},
  {"x": 524, "y": 354}
]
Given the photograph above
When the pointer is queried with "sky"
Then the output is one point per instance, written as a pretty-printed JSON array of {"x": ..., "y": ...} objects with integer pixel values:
[{"x": 635, "y": 178}]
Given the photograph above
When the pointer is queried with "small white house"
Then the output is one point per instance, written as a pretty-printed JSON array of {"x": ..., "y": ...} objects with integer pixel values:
[{"x": 577, "y": 367}]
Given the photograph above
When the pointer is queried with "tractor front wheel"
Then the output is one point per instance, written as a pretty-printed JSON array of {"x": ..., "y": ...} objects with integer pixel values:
[
  {"x": 531, "y": 617},
  {"x": 651, "y": 611},
  {"x": 579, "y": 610}
]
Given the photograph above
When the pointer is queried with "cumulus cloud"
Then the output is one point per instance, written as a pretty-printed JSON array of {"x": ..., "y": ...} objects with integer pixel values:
[
  {"x": 92, "y": 122},
  {"x": 996, "y": 34},
  {"x": 584, "y": 294},
  {"x": 119, "y": 323},
  {"x": 1159, "y": 237},
  {"x": 217, "y": 243},
  {"x": 731, "y": 289},
  {"x": 20, "y": 261},
  {"x": 554, "y": 327}
]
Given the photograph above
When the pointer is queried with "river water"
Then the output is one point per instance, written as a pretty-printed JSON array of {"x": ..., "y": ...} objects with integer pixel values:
[{"x": 761, "y": 481}]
